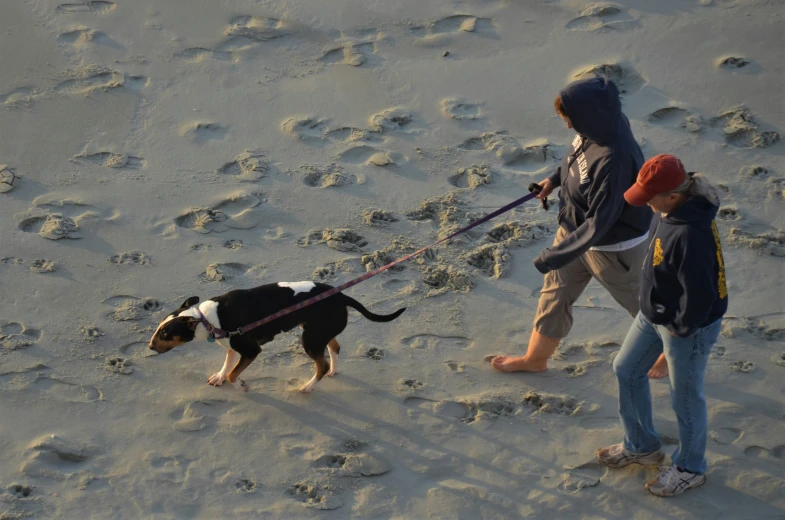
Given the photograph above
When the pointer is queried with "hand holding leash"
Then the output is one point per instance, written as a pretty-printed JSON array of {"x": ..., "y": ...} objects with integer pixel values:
[{"x": 542, "y": 190}]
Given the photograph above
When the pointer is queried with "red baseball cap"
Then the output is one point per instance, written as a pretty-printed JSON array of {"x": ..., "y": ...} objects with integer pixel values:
[{"x": 660, "y": 174}]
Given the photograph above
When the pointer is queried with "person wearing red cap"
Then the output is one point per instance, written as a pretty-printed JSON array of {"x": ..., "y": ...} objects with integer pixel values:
[{"x": 683, "y": 297}]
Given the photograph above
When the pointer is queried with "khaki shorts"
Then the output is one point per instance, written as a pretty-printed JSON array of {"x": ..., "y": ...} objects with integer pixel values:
[{"x": 619, "y": 272}]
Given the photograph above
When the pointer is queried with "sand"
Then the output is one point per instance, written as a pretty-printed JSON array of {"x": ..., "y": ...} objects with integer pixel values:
[{"x": 154, "y": 151}]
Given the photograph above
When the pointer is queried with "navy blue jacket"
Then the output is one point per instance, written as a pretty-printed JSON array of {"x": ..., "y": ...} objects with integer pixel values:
[
  {"x": 683, "y": 285},
  {"x": 602, "y": 164}
]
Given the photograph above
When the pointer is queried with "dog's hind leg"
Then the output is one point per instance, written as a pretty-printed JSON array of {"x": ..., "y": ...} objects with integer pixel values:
[
  {"x": 314, "y": 346},
  {"x": 334, "y": 349}
]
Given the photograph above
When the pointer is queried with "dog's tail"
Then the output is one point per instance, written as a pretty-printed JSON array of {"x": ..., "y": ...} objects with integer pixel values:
[{"x": 351, "y": 302}]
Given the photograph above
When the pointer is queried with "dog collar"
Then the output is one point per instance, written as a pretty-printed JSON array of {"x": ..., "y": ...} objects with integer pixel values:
[{"x": 213, "y": 333}]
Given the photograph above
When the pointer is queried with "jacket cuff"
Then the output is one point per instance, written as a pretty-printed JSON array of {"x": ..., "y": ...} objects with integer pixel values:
[
  {"x": 556, "y": 178},
  {"x": 541, "y": 265}
]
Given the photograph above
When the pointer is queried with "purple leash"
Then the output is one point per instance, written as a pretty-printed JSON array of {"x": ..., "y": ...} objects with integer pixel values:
[{"x": 216, "y": 333}]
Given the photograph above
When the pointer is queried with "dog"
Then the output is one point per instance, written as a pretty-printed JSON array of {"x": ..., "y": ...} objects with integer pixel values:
[{"x": 321, "y": 323}]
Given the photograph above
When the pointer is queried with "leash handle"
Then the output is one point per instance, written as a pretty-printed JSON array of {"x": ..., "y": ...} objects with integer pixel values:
[
  {"x": 218, "y": 333},
  {"x": 536, "y": 189}
]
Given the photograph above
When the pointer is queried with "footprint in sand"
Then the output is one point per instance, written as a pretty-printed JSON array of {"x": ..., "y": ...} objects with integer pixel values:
[
  {"x": 754, "y": 172},
  {"x": 492, "y": 260},
  {"x": 378, "y": 218},
  {"x": 89, "y": 79},
  {"x": 772, "y": 243},
  {"x": 354, "y": 54},
  {"x": 509, "y": 150},
  {"x": 375, "y": 354},
  {"x": 130, "y": 257},
  {"x": 390, "y": 120},
  {"x": 444, "y": 409},
  {"x": 742, "y": 131},
  {"x": 437, "y": 342},
  {"x": 20, "y": 491},
  {"x": 93, "y": 6},
  {"x": 746, "y": 367},
  {"x": 777, "y": 452},
  {"x": 118, "y": 365},
  {"x": 249, "y": 32},
  {"x": 517, "y": 234},
  {"x": 60, "y": 390},
  {"x": 245, "y": 485},
  {"x": 381, "y": 258},
  {"x": 112, "y": 160},
  {"x": 353, "y": 465},
  {"x": 548, "y": 403},
  {"x": 238, "y": 211},
  {"x": 305, "y": 128},
  {"x": 199, "y": 415},
  {"x": 488, "y": 408},
  {"x": 718, "y": 351},
  {"x": 16, "y": 336},
  {"x": 248, "y": 166},
  {"x": 86, "y": 36},
  {"x": 736, "y": 63},
  {"x": 363, "y": 154},
  {"x": 42, "y": 265},
  {"x": 91, "y": 333},
  {"x": 779, "y": 359},
  {"x": 726, "y": 435},
  {"x": 8, "y": 179},
  {"x": 131, "y": 308},
  {"x": 581, "y": 477},
  {"x": 59, "y": 458},
  {"x": 55, "y": 218},
  {"x": 582, "y": 368},
  {"x": 413, "y": 384},
  {"x": 344, "y": 240},
  {"x": 11, "y": 260},
  {"x": 199, "y": 54},
  {"x": 602, "y": 18},
  {"x": 314, "y": 496},
  {"x": 442, "y": 279},
  {"x": 333, "y": 270},
  {"x": 167, "y": 470},
  {"x": 623, "y": 75},
  {"x": 223, "y": 272},
  {"x": 472, "y": 177},
  {"x": 438, "y": 32},
  {"x": 203, "y": 132},
  {"x": 729, "y": 213},
  {"x": 20, "y": 96},
  {"x": 461, "y": 110},
  {"x": 676, "y": 116},
  {"x": 331, "y": 176}
]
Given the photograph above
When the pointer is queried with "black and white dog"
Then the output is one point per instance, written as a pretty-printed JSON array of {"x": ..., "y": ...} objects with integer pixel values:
[{"x": 321, "y": 323}]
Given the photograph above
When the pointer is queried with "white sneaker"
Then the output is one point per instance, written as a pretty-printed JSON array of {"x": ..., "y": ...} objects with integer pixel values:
[
  {"x": 672, "y": 481},
  {"x": 617, "y": 456}
]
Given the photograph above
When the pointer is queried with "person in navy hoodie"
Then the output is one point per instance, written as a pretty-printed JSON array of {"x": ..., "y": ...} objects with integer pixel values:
[
  {"x": 600, "y": 236},
  {"x": 683, "y": 297}
]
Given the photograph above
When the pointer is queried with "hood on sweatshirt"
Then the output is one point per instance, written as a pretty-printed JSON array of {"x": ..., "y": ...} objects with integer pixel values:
[
  {"x": 702, "y": 206},
  {"x": 594, "y": 108}
]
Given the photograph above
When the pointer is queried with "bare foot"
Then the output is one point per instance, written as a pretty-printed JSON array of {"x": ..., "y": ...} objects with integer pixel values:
[
  {"x": 517, "y": 364},
  {"x": 660, "y": 368}
]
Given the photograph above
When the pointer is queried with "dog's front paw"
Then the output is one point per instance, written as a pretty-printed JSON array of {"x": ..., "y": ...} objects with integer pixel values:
[
  {"x": 332, "y": 372},
  {"x": 306, "y": 389},
  {"x": 216, "y": 379}
]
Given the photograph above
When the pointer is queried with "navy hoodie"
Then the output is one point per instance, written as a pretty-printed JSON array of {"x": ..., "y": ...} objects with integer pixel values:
[
  {"x": 683, "y": 285},
  {"x": 602, "y": 164}
]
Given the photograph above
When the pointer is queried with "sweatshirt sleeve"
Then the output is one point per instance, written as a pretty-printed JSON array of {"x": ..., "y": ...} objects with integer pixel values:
[
  {"x": 694, "y": 264},
  {"x": 556, "y": 178},
  {"x": 606, "y": 203}
]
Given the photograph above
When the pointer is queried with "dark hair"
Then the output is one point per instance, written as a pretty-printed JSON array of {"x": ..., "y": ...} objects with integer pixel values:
[{"x": 558, "y": 104}]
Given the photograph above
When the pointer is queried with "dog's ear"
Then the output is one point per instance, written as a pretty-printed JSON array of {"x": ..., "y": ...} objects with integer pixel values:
[
  {"x": 192, "y": 322},
  {"x": 190, "y": 302}
]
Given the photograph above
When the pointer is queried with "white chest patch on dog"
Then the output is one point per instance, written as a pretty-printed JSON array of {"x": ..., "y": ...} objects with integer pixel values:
[{"x": 298, "y": 287}]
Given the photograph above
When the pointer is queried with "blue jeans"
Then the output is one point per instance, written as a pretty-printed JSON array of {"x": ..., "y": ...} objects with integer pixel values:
[{"x": 687, "y": 360}]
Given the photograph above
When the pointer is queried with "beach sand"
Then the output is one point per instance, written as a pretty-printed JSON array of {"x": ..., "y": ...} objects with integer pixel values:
[{"x": 160, "y": 150}]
